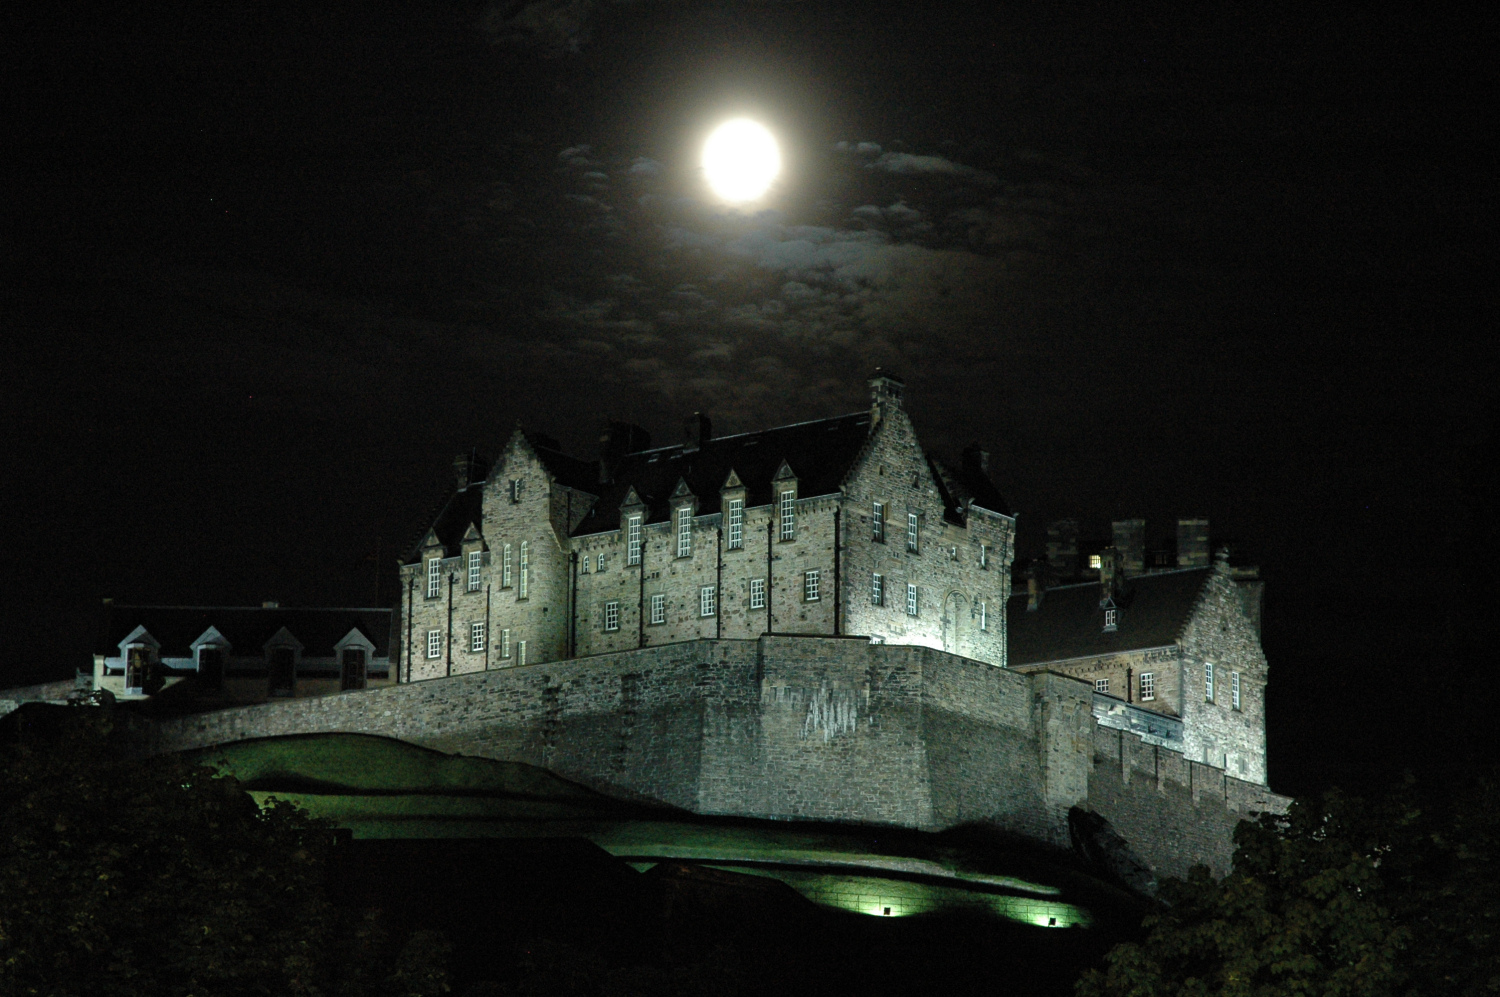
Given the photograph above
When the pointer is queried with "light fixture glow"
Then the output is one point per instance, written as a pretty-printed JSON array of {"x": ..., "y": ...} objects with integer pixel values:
[{"x": 740, "y": 160}]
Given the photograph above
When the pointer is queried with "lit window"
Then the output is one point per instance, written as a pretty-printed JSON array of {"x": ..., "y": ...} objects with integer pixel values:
[
  {"x": 1094, "y": 563},
  {"x": 1234, "y": 689},
  {"x": 520, "y": 652},
  {"x": 1148, "y": 687},
  {"x": 584, "y": 562},
  {"x": 658, "y": 608},
  {"x": 599, "y": 564},
  {"x": 984, "y": 557},
  {"x": 434, "y": 643},
  {"x": 911, "y": 532},
  {"x": 433, "y": 573},
  {"x": 505, "y": 643},
  {"x": 611, "y": 616},
  {"x": 1111, "y": 619},
  {"x": 736, "y": 523},
  {"x": 707, "y": 601},
  {"x": 685, "y": 532},
  {"x": 911, "y": 599},
  {"x": 877, "y": 522},
  {"x": 810, "y": 585},
  {"x": 789, "y": 515},
  {"x": 1208, "y": 681},
  {"x": 476, "y": 636},
  {"x": 877, "y": 589},
  {"x": 505, "y": 568},
  {"x": 757, "y": 593},
  {"x": 1101, "y": 685},
  {"x": 525, "y": 571},
  {"x": 474, "y": 570},
  {"x": 984, "y": 619},
  {"x": 633, "y": 540}
]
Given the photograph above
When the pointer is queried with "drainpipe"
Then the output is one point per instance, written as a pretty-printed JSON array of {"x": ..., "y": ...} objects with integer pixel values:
[
  {"x": 640, "y": 599},
  {"x": 1129, "y": 684},
  {"x": 489, "y": 631},
  {"x": 719, "y": 586},
  {"x": 410, "y": 584},
  {"x": 838, "y": 544},
  {"x": 770, "y": 527},
  {"x": 572, "y": 594},
  {"x": 448, "y": 666}
]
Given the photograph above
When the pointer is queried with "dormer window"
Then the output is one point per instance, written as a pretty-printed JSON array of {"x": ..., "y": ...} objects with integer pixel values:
[
  {"x": 685, "y": 532},
  {"x": 474, "y": 560},
  {"x": 1111, "y": 620},
  {"x": 434, "y": 576},
  {"x": 736, "y": 519},
  {"x": 633, "y": 540},
  {"x": 787, "y": 509}
]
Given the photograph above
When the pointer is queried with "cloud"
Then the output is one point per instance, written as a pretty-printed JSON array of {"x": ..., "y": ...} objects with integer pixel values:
[
  {"x": 641, "y": 166},
  {"x": 908, "y": 164}
]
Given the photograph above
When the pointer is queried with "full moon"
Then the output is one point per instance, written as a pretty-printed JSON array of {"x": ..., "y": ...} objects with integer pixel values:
[{"x": 740, "y": 159}]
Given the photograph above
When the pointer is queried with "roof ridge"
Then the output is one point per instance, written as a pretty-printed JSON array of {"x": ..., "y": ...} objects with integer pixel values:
[{"x": 757, "y": 432}]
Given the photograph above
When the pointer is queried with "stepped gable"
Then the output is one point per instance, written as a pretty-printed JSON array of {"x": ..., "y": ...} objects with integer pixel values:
[
  {"x": 1069, "y": 622},
  {"x": 820, "y": 453},
  {"x": 247, "y": 628}
]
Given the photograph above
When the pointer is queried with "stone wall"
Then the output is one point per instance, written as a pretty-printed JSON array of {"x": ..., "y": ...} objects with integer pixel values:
[{"x": 794, "y": 727}]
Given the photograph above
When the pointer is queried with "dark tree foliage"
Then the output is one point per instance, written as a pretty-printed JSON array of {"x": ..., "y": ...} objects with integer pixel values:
[
  {"x": 1397, "y": 896},
  {"x": 156, "y": 877}
]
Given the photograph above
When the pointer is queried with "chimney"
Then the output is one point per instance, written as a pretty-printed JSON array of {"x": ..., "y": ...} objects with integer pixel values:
[
  {"x": 616, "y": 439},
  {"x": 976, "y": 461},
  {"x": 1036, "y": 585},
  {"x": 1111, "y": 575},
  {"x": 696, "y": 431},
  {"x": 466, "y": 468},
  {"x": 1062, "y": 547},
  {"x": 885, "y": 395},
  {"x": 1192, "y": 543},
  {"x": 1130, "y": 538}
]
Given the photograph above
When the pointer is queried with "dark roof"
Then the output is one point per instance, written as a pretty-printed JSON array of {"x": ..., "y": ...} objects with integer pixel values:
[
  {"x": 247, "y": 628},
  {"x": 968, "y": 484},
  {"x": 820, "y": 454},
  {"x": 1070, "y": 622}
]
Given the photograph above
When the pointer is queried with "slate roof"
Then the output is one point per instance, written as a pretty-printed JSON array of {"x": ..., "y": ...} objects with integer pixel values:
[
  {"x": 462, "y": 507},
  {"x": 247, "y": 628},
  {"x": 1070, "y": 623},
  {"x": 820, "y": 453}
]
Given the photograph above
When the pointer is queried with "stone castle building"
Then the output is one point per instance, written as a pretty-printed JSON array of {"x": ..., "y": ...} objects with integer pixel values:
[{"x": 841, "y": 526}]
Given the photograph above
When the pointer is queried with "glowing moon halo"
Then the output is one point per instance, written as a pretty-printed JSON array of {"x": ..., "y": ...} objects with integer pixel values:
[{"x": 740, "y": 159}]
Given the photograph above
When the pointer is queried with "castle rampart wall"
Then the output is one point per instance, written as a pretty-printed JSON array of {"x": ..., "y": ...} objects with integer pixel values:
[{"x": 798, "y": 727}]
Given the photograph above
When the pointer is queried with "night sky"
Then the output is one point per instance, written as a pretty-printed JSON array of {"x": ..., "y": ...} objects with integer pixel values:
[{"x": 267, "y": 269}]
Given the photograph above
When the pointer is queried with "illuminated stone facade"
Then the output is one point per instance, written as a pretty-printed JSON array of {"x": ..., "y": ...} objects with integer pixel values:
[{"x": 842, "y": 526}]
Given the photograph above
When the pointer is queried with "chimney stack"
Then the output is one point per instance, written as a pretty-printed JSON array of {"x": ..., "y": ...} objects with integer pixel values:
[
  {"x": 885, "y": 395},
  {"x": 1192, "y": 543},
  {"x": 976, "y": 460},
  {"x": 1036, "y": 585},
  {"x": 616, "y": 439},
  {"x": 1130, "y": 538},
  {"x": 1111, "y": 576},
  {"x": 1062, "y": 547},
  {"x": 696, "y": 431}
]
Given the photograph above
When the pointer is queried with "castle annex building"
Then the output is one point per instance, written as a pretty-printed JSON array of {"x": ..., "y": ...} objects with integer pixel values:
[{"x": 841, "y": 526}]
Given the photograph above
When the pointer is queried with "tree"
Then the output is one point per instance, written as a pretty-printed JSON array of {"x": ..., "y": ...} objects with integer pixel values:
[
  {"x": 121, "y": 876},
  {"x": 1338, "y": 897}
]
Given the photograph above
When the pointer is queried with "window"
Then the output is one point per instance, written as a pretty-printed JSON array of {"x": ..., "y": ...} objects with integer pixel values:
[
  {"x": 984, "y": 557},
  {"x": 877, "y": 589},
  {"x": 611, "y": 616},
  {"x": 658, "y": 608},
  {"x": 1148, "y": 687},
  {"x": 476, "y": 637},
  {"x": 524, "y": 570},
  {"x": 1208, "y": 681},
  {"x": 584, "y": 561},
  {"x": 1234, "y": 689},
  {"x": 911, "y": 532},
  {"x": 1094, "y": 562},
  {"x": 434, "y": 643},
  {"x": 757, "y": 593},
  {"x": 810, "y": 586},
  {"x": 911, "y": 599},
  {"x": 211, "y": 667},
  {"x": 352, "y": 669},
  {"x": 517, "y": 487},
  {"x": 877, "y": 522},
  {"x": 707, "y": 601},
  {"x": 520, "y": 652},
  {"x": 736, "y": 523},
  {"x": 599, "y": 564},
  {"x": 505, "y": 568},
  {"x": 283, "y": 670},
  {"x": 1111, "y": 620},
  {"x": 433, "y": 574},
  {"x": 984, "y": 619},
  {"x": 1101, "y": 685},
  {"x": 685, "y": 532},
  {"x": 633, "y": 540},
  {"x": 505, "y": 643},
  {"x": 788, "y": 515},
  {"x": 474, "y": 557}
]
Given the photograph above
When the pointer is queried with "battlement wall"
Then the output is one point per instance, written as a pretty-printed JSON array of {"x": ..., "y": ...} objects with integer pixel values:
[{"x": 798, "y": 727}]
